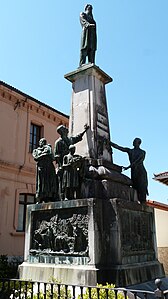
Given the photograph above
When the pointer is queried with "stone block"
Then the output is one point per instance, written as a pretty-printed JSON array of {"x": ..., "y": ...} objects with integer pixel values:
[{"x": 91, "y": 241}]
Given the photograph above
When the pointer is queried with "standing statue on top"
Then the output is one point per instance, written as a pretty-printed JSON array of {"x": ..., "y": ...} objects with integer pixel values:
[
  {"x": 88, "y": 38},
  {"x": 138, "y": 171}
]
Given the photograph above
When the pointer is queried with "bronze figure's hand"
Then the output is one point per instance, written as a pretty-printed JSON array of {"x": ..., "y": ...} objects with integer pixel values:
[{"x": 86, "y": 127}]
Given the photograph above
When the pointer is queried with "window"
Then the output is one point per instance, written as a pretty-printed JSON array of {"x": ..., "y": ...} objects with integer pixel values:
[
  {"x": 24, "y": 200},
  {"x": 35, "y": 134}
]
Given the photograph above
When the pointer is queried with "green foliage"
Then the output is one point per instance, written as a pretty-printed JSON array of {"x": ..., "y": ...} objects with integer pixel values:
[
  {"x": 102, "y": 292},
  {"x": 8, "y": 269},
  {"x": 21, "y": 289},
  {"x": 3, "y": 266},
  {"x": 61, "y": 294},
  {"x": 15, "y": 289}
]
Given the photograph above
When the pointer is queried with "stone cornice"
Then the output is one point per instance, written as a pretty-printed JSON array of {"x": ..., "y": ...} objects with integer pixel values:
[
  {"x": 88, "y": 69},
  {"x": 22, "y": 101},
  {"x": 17, "y": 93}
]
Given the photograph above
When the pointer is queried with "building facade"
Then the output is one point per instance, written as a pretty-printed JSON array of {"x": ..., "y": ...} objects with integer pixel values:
[
  {"x": 161, "y": 221},
  {"x": 23, "y": 121}
]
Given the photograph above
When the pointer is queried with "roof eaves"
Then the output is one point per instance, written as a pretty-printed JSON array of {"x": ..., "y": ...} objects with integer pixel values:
[
  {"x": 157, "y": 205},
  {"x": 31, "y": 98}
]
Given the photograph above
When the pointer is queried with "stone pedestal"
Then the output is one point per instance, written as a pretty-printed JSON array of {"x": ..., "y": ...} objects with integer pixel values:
[
  {"x": 89, "y": 107},
  {"x": 91, "y": 241}
]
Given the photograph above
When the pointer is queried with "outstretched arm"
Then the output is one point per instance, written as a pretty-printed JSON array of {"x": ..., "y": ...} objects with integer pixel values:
[
  {"x": 120, "y": 148},
  {"x": 77, "y": 138},
  {"x": 86, "y": 127}
]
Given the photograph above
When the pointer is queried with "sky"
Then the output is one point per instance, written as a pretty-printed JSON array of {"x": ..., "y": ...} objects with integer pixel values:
[{"x": 40, "y": 43}]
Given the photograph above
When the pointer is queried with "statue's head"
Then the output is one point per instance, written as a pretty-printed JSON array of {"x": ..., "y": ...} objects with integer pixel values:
[
  {"x": 88, "y": 7},
  {"x": 42, "y": 142},
  {"x": 62, "y": 130},
  {"x": 72, "y": 149},
  {"x": 137, "y": 141}
]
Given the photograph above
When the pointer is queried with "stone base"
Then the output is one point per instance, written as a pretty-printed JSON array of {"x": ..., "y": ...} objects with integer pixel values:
[
  {"x": 107, "y": 189},
  {"x": 88, "y": 275},
  {"x": 77, "y": 275},
  {"x": 125, "y": 275},
  {"x": 90, "y": 241},
  {"x": 105, "y": 180}
]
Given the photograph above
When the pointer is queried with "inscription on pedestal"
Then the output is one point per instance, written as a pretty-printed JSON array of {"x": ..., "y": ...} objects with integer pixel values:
[
  {"x": 89, "y": 106},
  {"x": 137, "y": 232}
]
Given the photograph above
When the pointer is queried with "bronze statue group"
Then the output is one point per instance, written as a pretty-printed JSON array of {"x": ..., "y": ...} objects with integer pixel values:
[{"x": 64, "y": 181}]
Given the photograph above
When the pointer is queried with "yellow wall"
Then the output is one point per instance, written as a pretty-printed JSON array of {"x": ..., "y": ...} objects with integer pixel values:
[{"x": 17, "y": 167}]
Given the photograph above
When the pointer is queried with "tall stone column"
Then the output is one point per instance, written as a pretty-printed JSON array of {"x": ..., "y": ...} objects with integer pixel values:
[{"x": 89, "y": 106}]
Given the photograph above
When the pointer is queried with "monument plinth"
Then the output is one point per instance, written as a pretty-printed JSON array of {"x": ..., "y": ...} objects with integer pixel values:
[
  {"x": 91, "y": 241},
  {"x": 89, "y": 106}
]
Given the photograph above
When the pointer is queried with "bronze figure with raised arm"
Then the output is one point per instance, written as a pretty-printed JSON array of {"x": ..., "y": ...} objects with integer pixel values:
[
  {"x": 138, "y": 172},
  {"x": 62, "y": 148}
]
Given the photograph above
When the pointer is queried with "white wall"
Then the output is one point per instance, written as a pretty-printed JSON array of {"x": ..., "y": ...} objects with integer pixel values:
[{"x": 161, "y": 220}]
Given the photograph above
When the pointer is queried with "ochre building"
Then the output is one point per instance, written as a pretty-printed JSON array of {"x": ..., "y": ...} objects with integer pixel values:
[{"x": 23, "y": 121}]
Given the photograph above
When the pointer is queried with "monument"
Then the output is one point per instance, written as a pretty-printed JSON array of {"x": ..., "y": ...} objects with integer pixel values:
[{"x": 99, "y": 230}]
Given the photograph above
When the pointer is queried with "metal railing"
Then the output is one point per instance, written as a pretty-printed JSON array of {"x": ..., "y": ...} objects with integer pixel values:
[{"x": 15, "y": 288}]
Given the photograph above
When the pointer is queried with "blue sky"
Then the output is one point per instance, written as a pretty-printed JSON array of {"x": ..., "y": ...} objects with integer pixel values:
[{"x": 40, "y": 43}]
